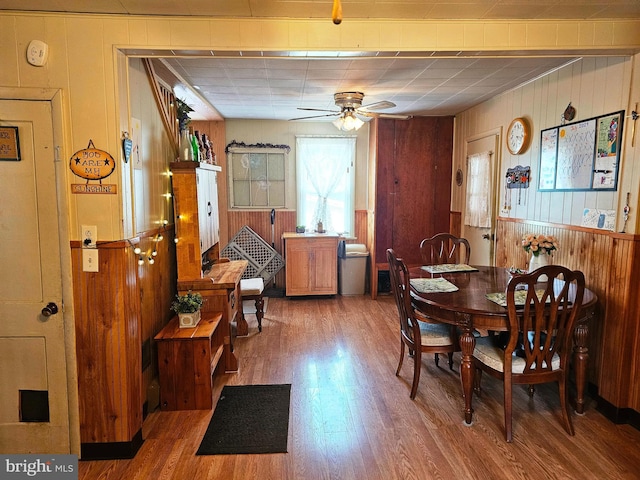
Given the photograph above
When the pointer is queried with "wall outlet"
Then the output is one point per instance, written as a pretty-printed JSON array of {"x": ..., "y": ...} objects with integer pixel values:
[
  {"x": 90, "y": 260},
  {"x": 89, "y": 236}
]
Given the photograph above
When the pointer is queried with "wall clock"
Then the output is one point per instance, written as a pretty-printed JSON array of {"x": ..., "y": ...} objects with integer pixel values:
[{"x": 518, "y": 135}]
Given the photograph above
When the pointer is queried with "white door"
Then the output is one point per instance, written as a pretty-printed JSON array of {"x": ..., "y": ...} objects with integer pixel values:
[
  {"x": 34, "y": 407},
  {"x": 482, "y": 240}
]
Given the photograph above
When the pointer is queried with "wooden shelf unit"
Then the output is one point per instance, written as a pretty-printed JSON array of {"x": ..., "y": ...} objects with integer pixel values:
[{"x": 188, "y": 358}]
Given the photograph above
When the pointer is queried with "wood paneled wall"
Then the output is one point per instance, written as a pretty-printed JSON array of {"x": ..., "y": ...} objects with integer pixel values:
[
  {"x": 610, "y": 263},
  {"x": 285, "y": 221},
  {"x": 620, "y": 375},
  {"x": 116, "y": 310}
]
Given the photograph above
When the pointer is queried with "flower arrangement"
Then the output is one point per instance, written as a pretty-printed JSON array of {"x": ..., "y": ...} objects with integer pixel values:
[
  {"x": 188, "y": 303},
  {"x": 537, "y": 244}
]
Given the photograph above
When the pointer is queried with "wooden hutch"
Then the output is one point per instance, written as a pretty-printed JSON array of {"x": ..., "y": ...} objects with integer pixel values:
[{"x": 196, "y": 355}]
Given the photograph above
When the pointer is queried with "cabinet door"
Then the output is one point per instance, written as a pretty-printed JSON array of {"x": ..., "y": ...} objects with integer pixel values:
[
  {"x": 208, "y": 208},
  {"x": 215, "y": 216},
  {"x": 202, "y": 184},
  {"x": 325, "y": 268},
  {"x": 298, "y": 258}
]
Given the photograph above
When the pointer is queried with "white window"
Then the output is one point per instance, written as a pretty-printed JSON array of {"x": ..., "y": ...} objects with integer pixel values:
[
  {"x": 326, "y": 182},
  {"x": 257, "y": 177}
]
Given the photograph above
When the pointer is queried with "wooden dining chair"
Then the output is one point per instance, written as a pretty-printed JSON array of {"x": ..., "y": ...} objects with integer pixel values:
[
  {"x": 444, "y": 248},
  {"x": 542, "y": 318},
  {"x": 418, "y": 336}
]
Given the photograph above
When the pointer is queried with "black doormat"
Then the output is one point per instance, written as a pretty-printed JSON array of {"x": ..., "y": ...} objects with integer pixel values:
[{"x": 248, "y": 419}]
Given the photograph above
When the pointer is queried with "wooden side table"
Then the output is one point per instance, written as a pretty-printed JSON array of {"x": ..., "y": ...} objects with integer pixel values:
[{"x": 187, "y": 359}]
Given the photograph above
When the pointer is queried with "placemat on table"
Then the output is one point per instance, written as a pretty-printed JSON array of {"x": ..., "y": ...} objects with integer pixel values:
[
  {"x": 433, "y": 285},
  {"x": 520, "y": 297},
  {"x": 449, "y": 268}
]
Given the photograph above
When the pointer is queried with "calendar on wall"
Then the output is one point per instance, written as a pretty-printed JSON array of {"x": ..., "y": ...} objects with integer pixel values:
[{"x": 583, "y": 155}]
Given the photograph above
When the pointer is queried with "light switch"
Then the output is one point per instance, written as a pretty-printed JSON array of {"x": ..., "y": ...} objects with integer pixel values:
[{"x": 89, "y": 260}]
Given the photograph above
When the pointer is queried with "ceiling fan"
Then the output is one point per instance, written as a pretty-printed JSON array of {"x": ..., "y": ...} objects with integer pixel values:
[{"x": 350, "y": 104}]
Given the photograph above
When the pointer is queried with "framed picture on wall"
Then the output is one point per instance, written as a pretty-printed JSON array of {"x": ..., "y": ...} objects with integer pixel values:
[
  {"x": 581, "y": 156},
  {"x": 9, "y": 144}
]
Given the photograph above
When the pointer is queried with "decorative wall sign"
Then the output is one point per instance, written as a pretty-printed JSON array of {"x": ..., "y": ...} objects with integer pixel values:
[
  {"x": 9, "y": 144},
  {"x": 518, "y": 177},
  {"x": 583, "y": 155},
  {"x": 127, "y": 146},
  {"x": 594, "y": 218},
  {"x": 92, "y": 164}
]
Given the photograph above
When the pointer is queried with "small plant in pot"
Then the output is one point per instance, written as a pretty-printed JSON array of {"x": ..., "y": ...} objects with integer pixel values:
[
  {"x": 187, "y": 307},
  {"x": 300, "y": 229}
]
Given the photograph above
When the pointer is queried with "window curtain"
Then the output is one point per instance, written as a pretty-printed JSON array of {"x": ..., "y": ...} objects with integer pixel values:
[
  {"x": 323, "y": 164},
  {"x": 478, "y": 211}
]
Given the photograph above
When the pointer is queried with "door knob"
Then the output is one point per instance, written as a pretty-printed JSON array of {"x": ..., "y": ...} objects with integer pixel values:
[
  {"x": 50, "y": 309},
  {"x": 487, "y": 236}
]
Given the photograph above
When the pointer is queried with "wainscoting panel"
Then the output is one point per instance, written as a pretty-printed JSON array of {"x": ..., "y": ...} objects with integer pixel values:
[
  {"x": 118, "y": 310},
  {"x": 285, "y": 221},
  {"x": 610, "y": 263}
]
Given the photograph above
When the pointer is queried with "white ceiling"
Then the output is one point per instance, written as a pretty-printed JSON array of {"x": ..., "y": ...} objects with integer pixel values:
[
  {"x": 273, "y": 88},
  {"x": 271, "y": 85}
]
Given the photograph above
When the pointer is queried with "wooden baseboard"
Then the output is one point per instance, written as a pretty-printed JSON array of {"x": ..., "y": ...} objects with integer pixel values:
[
  {"x": 615, "y": 414},
  {"x": 111, "y": 450}
]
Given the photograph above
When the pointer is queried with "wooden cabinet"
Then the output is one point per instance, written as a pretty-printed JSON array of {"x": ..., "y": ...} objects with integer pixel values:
[
  {"x": 311, "y": 264},
  {"x": 188, "y": 358},
  {"x": 410, "y": 186},
  {"x": 195, "y": 195}
]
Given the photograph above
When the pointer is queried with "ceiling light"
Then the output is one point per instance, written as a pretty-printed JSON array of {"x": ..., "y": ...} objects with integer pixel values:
[{"x": 347, "y": 122}]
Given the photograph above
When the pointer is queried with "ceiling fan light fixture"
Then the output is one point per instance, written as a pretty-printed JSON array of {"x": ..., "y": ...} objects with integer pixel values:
[{"x": 347, "y": 122}]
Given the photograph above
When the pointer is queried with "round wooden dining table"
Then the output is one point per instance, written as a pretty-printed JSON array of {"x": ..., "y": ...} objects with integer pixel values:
[{"x": 469, "y": 308}]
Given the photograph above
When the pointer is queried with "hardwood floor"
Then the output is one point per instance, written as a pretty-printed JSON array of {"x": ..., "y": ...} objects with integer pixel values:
[{"x": 352, "y": 418}]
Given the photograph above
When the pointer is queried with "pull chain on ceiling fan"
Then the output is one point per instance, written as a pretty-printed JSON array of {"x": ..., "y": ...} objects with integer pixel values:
[
  {"x": 350, "y": 104},
  {"x": 336, "y": 12}
]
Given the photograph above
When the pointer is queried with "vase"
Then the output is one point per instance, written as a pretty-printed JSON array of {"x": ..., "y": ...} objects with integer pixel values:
[
  {"x": 189, "y": 320},
  {"x": 538, "y": 261}
]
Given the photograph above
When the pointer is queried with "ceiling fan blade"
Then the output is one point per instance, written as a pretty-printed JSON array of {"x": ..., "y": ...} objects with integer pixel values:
[
  {"x": 378, "y": 105},
  {"x": 320, "y": 110},
  {"x": 397, "y": 116},
  {"x": 316, "y": 116}
]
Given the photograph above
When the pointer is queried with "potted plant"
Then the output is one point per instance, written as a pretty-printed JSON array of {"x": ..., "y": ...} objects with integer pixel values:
[
  {"x": 300, "y": 229},
  {"x": 187, "y": 307}
]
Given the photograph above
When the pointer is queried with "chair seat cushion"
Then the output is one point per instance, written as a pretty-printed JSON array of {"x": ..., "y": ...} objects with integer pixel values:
[
  {"x": 493, "y": 356},
  {"x": 252, "y": 286},
  {"x": 433, "y": 334}
]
